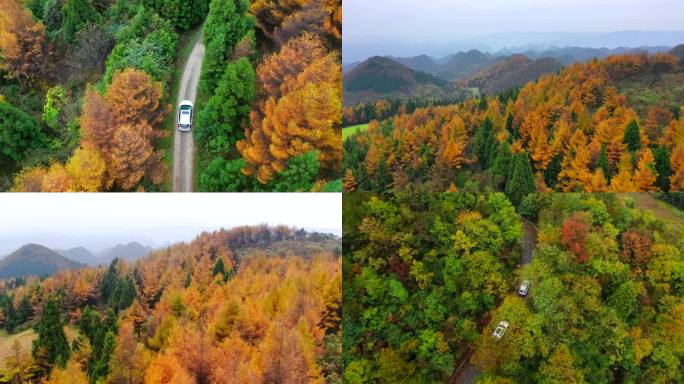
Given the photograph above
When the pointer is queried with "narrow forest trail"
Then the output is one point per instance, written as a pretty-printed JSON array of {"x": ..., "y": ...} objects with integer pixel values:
[
  {"x": 466, "y": 372},
  {"x": 183, "y": 143}
]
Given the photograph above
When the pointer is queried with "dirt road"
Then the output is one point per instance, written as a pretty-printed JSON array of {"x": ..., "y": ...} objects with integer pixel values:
[
  {"x": 466, "y": 372},
  {"x": 183, "y": 143}
]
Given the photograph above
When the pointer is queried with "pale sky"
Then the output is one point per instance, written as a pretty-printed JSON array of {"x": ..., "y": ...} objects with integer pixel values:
[
  {"x": 442, "y": 19},
  {"x": 441, "y": 27},
  {"x": 62, "y": 220}
]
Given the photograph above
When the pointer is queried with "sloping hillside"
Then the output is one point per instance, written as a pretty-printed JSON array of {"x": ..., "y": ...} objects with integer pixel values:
[
  {"x": 382, "y": 78},
  {"x": 34, "y": 259},
  {"x": 80, "y": 254},
  {"x": 514, "y": 72},
  {"x": 130, "y": 251}
]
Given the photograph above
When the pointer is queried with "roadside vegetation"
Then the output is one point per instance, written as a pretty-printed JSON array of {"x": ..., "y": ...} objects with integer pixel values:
[
  {"x": 428, "y": 277},
  {"x": 269, "y": 105},
  {"x": 88, "y": 83}
]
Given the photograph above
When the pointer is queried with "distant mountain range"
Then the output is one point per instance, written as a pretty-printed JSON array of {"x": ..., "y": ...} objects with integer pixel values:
[
  {"x": 419, "y": 76},
  {"x": 37, "y": 260},
  {"x": 466, "y": 63},
  {"x": 130, "y": 251},
  {"x": 357, "y": 49},
  {"x": 34, "y": 259},
  {"x": 382, "y": 77}
]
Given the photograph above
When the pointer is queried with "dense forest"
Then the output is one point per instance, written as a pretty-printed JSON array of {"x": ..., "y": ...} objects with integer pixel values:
[
  {"x": 246, "y": 305},
  {"x": 276, "y": 127},
  {"x": 607, "y": 125},
  {"x": 86, "y": 93},
  {"x": 427, "y": 278}
]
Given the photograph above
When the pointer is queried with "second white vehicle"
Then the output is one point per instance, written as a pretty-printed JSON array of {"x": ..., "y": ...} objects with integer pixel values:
[
  {"x": 500, "y": 329},
  {"x": 524, "y": 288},
  {"x": 185, "y": 114}
]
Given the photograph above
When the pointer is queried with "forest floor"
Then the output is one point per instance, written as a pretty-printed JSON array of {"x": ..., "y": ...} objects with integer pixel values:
[{"x": 25, "y": 339}]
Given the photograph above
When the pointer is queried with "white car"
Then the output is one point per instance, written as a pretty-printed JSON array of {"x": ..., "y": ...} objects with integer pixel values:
[
  {"x": 500, "y": 329},
  {"x": 184, "y": 117},
  {"x": 524, "y": 288}
]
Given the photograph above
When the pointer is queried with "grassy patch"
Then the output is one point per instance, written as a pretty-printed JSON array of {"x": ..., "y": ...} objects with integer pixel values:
[
  {"x": 25, "y": 339},
  {"x": 662, "y": 210},
  {"x": 351, "y": 131},
  {"x": 186, "y": 43}
]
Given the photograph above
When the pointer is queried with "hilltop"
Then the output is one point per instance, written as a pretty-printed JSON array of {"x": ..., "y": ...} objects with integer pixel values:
[
  {"x": 510, "y": 73},
  {"x": 35, "y": 260},
  {"x": 383, "y": 78}
]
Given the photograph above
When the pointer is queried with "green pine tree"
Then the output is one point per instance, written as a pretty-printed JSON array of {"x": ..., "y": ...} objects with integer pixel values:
[
  {"x": 218, "y": 267},
  {"x": 521, "y": 182},
  {"x": 484, "y": 142},
  {"x": 663, "y": 167},
  {"x": 77, "y": 14},
  {"x": 503, "y": 162},
  {"x": 51, "y": 342},
  {"x": 603, "y": 164},
  {"x": 632, "y": 137},
  {"x": 551, "y": 172}
]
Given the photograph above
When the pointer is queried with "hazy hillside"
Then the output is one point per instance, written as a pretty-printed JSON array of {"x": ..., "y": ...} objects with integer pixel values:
[
  {"x": 514, "y": 72},
  {"x": 129, "y": 251},
  {"x": 382, "y": 78},
  {"x": 80, "y": 254},
  {"x": 193, "y": 312},
  {"x": 34, "y": 259}
]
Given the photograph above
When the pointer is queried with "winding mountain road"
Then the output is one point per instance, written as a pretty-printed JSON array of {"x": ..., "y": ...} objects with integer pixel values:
[
  {"x": 466, "y": 372},
  {"x": 183, "y": 142}
]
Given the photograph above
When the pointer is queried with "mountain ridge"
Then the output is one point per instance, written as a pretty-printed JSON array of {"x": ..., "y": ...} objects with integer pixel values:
[{"x": 35, "y": 260}]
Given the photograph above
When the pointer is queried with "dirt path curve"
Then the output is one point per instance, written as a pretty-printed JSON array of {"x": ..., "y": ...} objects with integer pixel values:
[
  {"x": 466, "y": 372},
  {"x": 183, "y": 143}
]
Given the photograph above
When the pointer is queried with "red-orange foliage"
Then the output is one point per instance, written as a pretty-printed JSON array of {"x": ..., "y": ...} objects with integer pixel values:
[
  {"x": 575, "y": 231},
  {"x": 23, "y": 45},
  {"x": 636, "y": 248}
]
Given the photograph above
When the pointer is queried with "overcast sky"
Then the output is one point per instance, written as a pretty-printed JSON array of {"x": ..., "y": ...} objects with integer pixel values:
[
  {"x": 102, "y": 220},
  {"x": 442, "y": 27},
  {"x": 445, "y": 19}
]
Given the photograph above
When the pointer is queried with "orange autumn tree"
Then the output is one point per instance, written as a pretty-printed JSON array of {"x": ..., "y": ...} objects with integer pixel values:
[
  {"x": 23, "y": 45},
  {"x": 299, "y": 110},
  {"x": 645, "y": 175},
  {"x": 121, "y": 126}
]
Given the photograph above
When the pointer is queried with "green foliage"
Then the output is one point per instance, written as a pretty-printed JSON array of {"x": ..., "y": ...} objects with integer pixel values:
[
  {"x": 420, "y": 270},
  {"x": 221, "y": 123},
  {"x": 485, "y": 144},
  {"x": 51, "y": 343},
  {"x": 153, "y": 54},
  {"x": 52, "y": 15},
  {"x": 37, "y": 7},
  {"x": 521, "y": 181},
  {"x": 604, "y": 165},
  {"x": 632, "y": 137},
  {"x": 54, "y": 101},
  {"x": 100, "y": 332},
  {"x": 227, "y": 23},
  {"x": 77, "y": 13},
  {"x": 298, "y": 176},
  {"x": 19, "y": 133},
  {"x": 663, "y": 168},
  {"x": 333, "y": 186},
  {"x": 183, "y": 14},
  {"x": 223, "y": 175}
]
